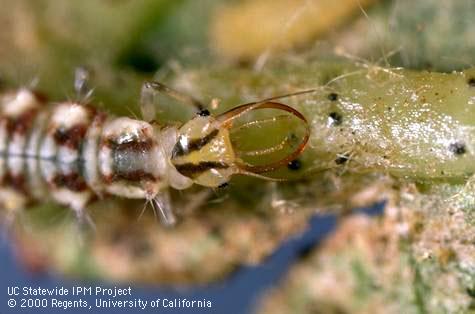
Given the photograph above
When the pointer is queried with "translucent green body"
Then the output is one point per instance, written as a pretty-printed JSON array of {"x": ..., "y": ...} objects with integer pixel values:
[
  {"x": 409, "y": 124},
  {"x": 415, "y": 124}
]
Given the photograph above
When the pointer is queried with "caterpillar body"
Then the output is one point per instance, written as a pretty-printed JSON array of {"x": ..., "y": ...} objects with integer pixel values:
[{"x": 72, "y": 153}]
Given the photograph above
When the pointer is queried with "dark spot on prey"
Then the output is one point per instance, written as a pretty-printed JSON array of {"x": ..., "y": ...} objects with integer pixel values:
[
  {"x": 337, "y": 118},
  {"x": 471, "y": 292},
  {"x": 340, "y": 160},
  {"x": 223, "y": 185},
  {"x": 332, "y": 96},
  {"x": 204, "y": 113},
  {"x": 294, "y": 165},
  {"x": 458, "y": 148}
]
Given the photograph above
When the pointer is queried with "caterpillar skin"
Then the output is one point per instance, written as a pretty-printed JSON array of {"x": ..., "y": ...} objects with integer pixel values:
[{"x": 72, "y": 153}]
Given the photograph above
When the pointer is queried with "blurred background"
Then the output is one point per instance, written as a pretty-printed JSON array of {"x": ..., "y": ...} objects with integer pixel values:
[{"x": 255, "y": 247}]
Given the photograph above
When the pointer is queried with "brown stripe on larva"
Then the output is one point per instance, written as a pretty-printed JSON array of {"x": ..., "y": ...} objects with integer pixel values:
[
  {"x": 72, "y": 181},
  {"x": 90, "y": 150},
  {"x": 137, "y": 146},
  {"x": 193, "y": 170},
  {"x": 22, "y": 123},
  {"x": 29, "y": 144},
  {"x": 133, "y": 148},
  {"x": 134, "y": 176},
  {"x": 17, "y": 182},
  {"x": 40, "y": 97},
  {"x": 194, "y": 145},
  {"x": 70, "y": 137}
]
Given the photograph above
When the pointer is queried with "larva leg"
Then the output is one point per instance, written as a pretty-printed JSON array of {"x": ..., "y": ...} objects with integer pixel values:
[
  {"x": 149, "y": 91},
  {"x": 162, "y": 203}
]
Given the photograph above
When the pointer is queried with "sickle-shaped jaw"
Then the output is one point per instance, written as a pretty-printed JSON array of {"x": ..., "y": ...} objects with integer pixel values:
[
  {"x": 226, "y": 120},
  {"x": 205, "y": 154}
]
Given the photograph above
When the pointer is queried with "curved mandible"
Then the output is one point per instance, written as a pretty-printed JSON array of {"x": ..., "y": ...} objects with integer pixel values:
[{"x": 226, "y": 120}]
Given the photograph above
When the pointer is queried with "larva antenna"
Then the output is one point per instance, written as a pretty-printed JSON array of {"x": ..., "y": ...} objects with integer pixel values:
[{"x": 226, "y": 120}]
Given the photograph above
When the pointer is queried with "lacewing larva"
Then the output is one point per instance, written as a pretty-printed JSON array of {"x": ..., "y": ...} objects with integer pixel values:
[{"x": 72, "y": 153}]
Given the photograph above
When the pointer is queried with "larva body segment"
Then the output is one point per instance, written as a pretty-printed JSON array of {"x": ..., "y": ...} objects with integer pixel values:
[{"x": 72, "y": 153}]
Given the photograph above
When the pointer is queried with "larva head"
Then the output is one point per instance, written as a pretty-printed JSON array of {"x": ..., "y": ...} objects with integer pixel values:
[{"x": 205, "y": 154}]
